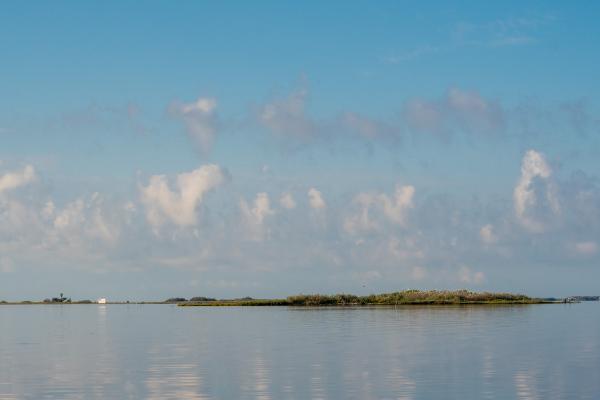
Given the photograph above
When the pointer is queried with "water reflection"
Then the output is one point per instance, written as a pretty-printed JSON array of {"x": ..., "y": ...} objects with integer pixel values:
[
  {"x": 258, "y": 380},
  {"x": 317, "y": 388},
  {"x": 164, "y": 352},
  {"x": 174, "y": 380},
  {"x": 525, "y": 384}
]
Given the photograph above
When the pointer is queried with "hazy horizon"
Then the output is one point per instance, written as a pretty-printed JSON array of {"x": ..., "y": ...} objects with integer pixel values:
[{"x": 154, "y": 150}]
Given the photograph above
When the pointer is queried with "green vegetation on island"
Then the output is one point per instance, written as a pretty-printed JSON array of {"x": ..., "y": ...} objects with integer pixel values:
[{"x": 406, "y": 297}]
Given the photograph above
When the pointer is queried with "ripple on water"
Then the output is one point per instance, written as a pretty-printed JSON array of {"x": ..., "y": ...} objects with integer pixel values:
[{"x": 164, "y": 352}]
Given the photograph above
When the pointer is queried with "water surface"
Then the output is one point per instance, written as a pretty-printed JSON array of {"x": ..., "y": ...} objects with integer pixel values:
[{"x": 410, "y": 352}]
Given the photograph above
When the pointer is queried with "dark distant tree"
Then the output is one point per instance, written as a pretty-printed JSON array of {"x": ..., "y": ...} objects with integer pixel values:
[
  {"x": 175, "y": 300},
  {"x": 202, "y": 298}
]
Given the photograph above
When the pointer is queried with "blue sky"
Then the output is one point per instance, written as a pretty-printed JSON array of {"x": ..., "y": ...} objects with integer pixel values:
[{"x": 232, "y": 149}]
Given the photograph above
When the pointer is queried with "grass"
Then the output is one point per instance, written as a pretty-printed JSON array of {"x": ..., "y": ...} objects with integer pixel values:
[
  {"x": 237, "y": 302},
  {"x": 409, "y": 297}
]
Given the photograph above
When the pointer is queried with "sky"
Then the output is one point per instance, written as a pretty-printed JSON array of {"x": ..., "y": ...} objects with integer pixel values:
[{"x": 228, "y": 149}]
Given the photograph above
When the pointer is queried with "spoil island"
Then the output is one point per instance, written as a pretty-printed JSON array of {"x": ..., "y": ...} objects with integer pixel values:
[{"x": 405, "y": 297}]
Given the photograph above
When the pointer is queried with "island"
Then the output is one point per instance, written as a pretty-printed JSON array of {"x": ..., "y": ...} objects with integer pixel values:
[{"x": 405, "y": 297}]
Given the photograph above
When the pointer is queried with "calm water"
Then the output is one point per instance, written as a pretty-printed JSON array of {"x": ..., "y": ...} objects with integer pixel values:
[{"x": 166, "y": 352}]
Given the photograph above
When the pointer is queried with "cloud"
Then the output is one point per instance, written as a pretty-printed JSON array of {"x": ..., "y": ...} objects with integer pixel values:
[
  {"x": 315, "y": 199},
  {"x": 514, "y": 31},
  {"x": 288, "y": 119},
  {"x": 361, "y": 221},
  {"x": 13, "y": 180},
  {"x": 487, "y": 234},
  {"x": 82, "y": 232},
  {"x": 179, "y": 206},
  {"x": 368, "y": 128},
  {"x": 394, "y": 209},
  {"x": 426, "y": 238},
  {"x": 375, "y": 210},
  {"x": 7, "y": 265},
  {"x": 404, "y": 249},
  {"x": 261, "y": 209},
  {"x": 287, "y": 201},
  {"x": 466, "y": 275},
  {"x": 534, "y": 168},
  {"x": 497, "y": 33},
  {"x": 19, "y": 222},
  {"x": 418, "y": 273},
  {"x": 287, "y": 116},
  {"x": 457, "y": 111},
  {"x": 200, "y": 119},
  {"x": 82, "y": 218},
  {"x": 586, "y": 248},
  {"x": 255, "y": 216},
  {"x": 71, "y": 215}
]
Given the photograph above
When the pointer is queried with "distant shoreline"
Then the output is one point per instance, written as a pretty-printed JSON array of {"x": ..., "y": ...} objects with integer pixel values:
[
  {"x": 406, "y": 297},
  {"x": 274, "y": 303}
]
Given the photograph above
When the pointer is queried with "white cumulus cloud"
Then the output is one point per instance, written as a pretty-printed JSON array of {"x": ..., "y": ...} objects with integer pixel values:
[
  {"x": 255, "y": 215},
  {"x": 12, "y": 180},
  {"x": 315, "y": 199},
  {"x": 83, "y": 217},
  {"x": 394, "y": 208},
  {"x": 533, "y": 166},
  {"x": 179, "y": 206}
]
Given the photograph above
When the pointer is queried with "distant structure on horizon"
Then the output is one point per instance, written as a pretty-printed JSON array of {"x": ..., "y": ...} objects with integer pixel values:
[{"x": 102, "y": 301}]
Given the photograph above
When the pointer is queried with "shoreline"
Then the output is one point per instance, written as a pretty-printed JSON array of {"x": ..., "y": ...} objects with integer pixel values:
[
  {"x": 272, "y": 303},
  {"x": 401, "y": 298}
]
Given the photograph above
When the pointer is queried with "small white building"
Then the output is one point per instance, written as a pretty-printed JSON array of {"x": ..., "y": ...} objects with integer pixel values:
[{"x": 102, "y": 301}]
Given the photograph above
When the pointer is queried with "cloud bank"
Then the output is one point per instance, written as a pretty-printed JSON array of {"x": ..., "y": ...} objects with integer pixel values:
[{"x": 385, "y": 239}]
